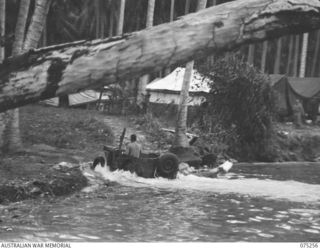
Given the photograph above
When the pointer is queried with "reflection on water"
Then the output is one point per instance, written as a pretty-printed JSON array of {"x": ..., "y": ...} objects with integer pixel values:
[{"x": 187, "y": 209}]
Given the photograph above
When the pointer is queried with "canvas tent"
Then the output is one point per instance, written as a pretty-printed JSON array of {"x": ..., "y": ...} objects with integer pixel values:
[
  {"x": 289, "y": 89},
  {"x": 77, "y": 99},
  {"x": 167, "y": 90}
]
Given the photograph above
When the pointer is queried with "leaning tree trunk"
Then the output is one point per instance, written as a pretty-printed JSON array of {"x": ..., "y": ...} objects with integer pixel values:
[
  {"x": 69, "y": 68},
  {"x": 303, "y": 62},
  {"x": 143, "y": 81},
  {"x": 181, "y": 139}
]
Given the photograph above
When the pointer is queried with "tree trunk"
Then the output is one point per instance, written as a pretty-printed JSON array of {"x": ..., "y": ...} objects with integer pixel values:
[
  {"x": 12, "y": 138},
  {"x": 187, "y": 7},
  {"x": 121, "y": 17},
  {"x": 98, "y": 18},
  {"x": 251, "y": 54},
  {"x": 37, "y": 24},
  {"x": 141, "y": 93},
  {"x": 212, "y": 2},
  {"x": 68, "y": 68},
  {"x": 111, "y": 18},
  {"x": 264, "y": 56},
  {"x": 290, "y": 52},
  {"x": 181, "y": 139},
  {"x": 296, "y": 55},
  {"x": 276, "y": 68},
  {"x": 303, "y": 62},
  {"x": 20, "y": 27},
  {"x": 2, "y": 26},
  {"x": 64, "y": 101},
  {"x": 32, "y": 38},
  {"x": 3, "y": 116},
  {"x": 167, "y": 70},
  {"x": 315, "y": 56},
  {"x": 210, "y": 59},
  {"x": 172, "y": 10}
]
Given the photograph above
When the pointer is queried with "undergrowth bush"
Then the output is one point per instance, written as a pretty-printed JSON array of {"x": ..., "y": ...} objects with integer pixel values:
[
  {"x": 241, "y": 109},
  {"x": 153, "y": 127}
]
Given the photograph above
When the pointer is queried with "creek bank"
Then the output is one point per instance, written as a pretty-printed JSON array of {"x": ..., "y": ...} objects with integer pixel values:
[
  {"x": 32, "y": 174},
  {"x": 56, "y": 183}
]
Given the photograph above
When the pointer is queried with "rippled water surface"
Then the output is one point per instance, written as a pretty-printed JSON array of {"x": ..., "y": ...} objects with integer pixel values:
[{"x": 234, "y": 207}]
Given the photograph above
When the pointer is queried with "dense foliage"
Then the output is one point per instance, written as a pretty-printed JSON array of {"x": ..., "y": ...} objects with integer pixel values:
[{"x": 240, "y": 108}]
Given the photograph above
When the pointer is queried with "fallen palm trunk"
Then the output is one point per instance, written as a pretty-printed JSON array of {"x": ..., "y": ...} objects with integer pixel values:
[{"x": 60, "y": 70}]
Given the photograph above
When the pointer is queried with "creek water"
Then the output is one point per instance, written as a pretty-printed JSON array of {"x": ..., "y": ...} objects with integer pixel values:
[{"x": 241, "y": 206}]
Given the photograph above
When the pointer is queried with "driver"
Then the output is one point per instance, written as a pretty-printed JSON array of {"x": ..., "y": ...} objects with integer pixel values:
[{"x": 133, "y": 148}]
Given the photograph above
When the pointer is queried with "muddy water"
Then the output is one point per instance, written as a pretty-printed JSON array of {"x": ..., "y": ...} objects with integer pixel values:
[{"x": 234, "y": 207}]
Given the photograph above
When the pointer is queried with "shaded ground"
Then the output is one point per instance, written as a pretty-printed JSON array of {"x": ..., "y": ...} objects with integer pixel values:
[{"x": 53, "y": 135}]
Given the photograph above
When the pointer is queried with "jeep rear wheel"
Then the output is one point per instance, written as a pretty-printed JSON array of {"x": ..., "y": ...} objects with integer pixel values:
[{"x": 168, "y": 166}]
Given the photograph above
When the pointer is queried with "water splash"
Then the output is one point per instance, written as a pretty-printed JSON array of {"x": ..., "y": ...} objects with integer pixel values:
[{"x": 273, "y": 189}]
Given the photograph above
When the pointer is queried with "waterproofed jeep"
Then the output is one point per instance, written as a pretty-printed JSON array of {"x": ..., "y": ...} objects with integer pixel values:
[{"x": 147, "y": 165}]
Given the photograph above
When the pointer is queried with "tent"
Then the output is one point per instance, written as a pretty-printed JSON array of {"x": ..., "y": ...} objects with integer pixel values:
[
  {"x": 77, "y": 99},
  {"x": 289, "y": 89},
  {"x": 305, "y": 87},
  {"x": 167, "y": 90}
]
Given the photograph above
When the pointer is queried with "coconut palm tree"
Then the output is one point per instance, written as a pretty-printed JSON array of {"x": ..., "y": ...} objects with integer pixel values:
[
  {"x": 2, "y": 56},
  {"x": 121, "y": 17},
  {"x": 251, "y": 54},
  {"x": 2, "y": 26},
  {"x": 145, "y": 78},
  {"x": 172, "y": 10},
  {"x": 63, "y": 21},
  {"x": 296, "y": 55},
  {"x": 36, "y": 25},
  {"x": 20, "y": 27},
  {"x": 276, "y": 68},
  {"x": 181, "y": 139},
  {"x": 290, "y": 53},
  {"x": 13, "y": 138},
  {"x": 264, "y": 56},
  {"x": 22, "y": 43},
  {"x": 304, "y": 55},
  {"x": 315, "y": 56},
  {"x": 94, "y": 18}
]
